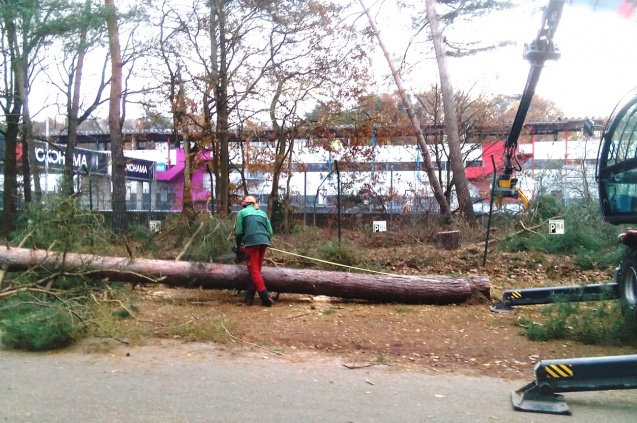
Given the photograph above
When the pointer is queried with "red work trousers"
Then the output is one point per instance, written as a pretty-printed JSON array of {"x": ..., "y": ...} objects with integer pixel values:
[{"x": 256, "y": 255}]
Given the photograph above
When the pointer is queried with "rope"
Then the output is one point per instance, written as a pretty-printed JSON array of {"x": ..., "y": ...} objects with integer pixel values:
[{"x": 337, "y": 264}]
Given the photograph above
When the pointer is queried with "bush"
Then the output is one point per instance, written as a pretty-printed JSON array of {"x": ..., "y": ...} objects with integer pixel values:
[
  {"x": 216, "y": 237},
  {"x": 591, "y": 243},
  {"x": 545, "y": 207},
  {"x": 36, "y": 328},
  {"x": 338, "y": 253},
  {"x": 598, "y": 323}
]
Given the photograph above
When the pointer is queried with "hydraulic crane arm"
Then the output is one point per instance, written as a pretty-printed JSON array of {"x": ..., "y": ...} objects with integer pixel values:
[{"x": 537, "y": 53}]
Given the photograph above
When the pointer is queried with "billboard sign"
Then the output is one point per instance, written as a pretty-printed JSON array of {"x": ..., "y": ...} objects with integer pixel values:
[
  {"x": 139, "y": 170},
  {"x": 52, "y": 156}
]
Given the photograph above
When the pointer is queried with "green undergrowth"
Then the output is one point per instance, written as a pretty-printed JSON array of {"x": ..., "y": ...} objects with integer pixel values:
[
  {"x": 36, "y": 326},
  {"x": 590, "y": 242},
  {"x": 595, "y": 323}
]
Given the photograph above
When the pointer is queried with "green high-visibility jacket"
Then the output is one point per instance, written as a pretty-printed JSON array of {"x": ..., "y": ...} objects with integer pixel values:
[{"x": 253, "y": 227}]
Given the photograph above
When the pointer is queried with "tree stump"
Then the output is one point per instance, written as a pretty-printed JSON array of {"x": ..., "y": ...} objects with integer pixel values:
[{"x": 449, "y": 240}]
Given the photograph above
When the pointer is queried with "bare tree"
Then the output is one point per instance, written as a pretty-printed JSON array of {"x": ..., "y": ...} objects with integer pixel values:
[
  {"x": 429, "y": 168},
  {"x": 471, "y": 111},
  {"x": 214, "y": 63},
  {"x": 305, "y": 61}
]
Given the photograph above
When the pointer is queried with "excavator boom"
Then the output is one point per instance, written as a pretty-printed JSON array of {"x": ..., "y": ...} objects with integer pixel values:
[{"x": 541, "y": 49}]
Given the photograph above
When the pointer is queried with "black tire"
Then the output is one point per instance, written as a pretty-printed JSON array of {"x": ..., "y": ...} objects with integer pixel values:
[{"x": 627, "y": 281}]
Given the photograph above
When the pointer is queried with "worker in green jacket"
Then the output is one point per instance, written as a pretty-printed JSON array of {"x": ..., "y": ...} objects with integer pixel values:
[{"x": 254, "y": 230}]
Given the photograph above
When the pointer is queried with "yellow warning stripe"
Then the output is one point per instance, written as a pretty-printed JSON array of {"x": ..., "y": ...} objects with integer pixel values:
[
  {"x": 516, "y": 294},
  {"x": 559, "y": 370}
]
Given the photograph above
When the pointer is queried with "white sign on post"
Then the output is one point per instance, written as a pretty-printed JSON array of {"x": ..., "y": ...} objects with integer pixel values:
[
  {"x": 556, "y": 227},
  {"x": 379, "y": 226},
  {"x": 154, "y": 225}
]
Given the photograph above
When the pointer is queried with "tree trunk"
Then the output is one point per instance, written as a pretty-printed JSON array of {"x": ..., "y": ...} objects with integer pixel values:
[
  {"x": 73, "y": 110},
  {"x": 222, "y": 107},
  {"x": 426, "y": 289},
  {"x": 449, "y": 240},
  {"x": 281, "y": 149},
  {"x": 451, "y": 118},
  {"x": 12, "y": 111},
  {"x": 187, "y": 203},
  {"x": 22, "y": 79},
  {"x": 114, "y": 121}
]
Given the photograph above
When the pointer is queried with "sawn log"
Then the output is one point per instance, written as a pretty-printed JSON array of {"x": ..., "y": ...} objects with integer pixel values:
[{"x": 424, "y": 289}]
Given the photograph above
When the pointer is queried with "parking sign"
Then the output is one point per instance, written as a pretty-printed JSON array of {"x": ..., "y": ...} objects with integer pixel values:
[
  {"x": 556, "y": 227},
  {"x": 379, "y": 226}
]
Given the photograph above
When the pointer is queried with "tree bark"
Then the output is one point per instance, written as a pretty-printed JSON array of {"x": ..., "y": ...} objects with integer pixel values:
[
  {"x": 449, "y": 240},
  {"x": 114, "y": 121},
  {"x": 425, "y": 289}
]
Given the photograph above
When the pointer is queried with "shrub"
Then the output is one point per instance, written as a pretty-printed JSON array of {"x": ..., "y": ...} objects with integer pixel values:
[
  {"x": 599, "y": 322},
  {"x": 334, "y": 252},
  {"x": 216, "y": 237},
  {"x": 586, "y": 238},
  {"x": 37, "y": 328}
]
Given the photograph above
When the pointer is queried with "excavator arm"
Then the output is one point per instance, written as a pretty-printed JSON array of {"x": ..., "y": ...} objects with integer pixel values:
[{"x": 537, "y": 53}]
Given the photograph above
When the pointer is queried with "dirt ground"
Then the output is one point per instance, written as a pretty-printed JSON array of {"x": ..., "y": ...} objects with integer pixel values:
[{"x": 466, "y": 338}]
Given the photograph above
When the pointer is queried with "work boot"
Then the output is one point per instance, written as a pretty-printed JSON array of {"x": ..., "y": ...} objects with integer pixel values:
[
  {"x": 266, "y": 299},
  {"x": 248, "y": 299}
]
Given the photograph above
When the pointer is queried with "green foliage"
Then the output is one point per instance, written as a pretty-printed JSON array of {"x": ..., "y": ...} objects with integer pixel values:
[
  {"x": 143, "y": 236},
  {"x": 599, "y": 323},
  {"x": 124, "y": 312},
  {"x": 63, "y": 226},
  {"x": 605, "y": 258},
  {"x": 334, "y": 252},
  {"x": 277, "y": 216},
  {"x": 35, "y": 327},
  {"x": 216, "y": 237},
  {"x": 546, "y": 207},
  {"x": 590, "y": 242},
  {"x": 55, "y": 305}
]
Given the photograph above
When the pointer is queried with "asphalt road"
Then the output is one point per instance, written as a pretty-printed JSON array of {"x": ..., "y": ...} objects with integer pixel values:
[{"x": 201, "y": 383}]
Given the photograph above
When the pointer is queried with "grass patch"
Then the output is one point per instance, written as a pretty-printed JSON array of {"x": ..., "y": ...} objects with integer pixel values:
[
  {"x": 594, "y": 323},
  {"x": 201, "y": 329}
]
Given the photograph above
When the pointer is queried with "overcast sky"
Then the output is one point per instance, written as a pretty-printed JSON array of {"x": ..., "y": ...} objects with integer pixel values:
[{"x": 598, "y": 64}]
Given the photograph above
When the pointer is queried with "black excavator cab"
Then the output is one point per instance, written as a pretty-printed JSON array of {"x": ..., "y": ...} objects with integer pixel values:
[{"x": 617, "y": 164}]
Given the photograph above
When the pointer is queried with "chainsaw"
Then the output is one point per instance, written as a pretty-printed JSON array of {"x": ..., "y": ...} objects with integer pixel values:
[{"x": 238, "y": 254}]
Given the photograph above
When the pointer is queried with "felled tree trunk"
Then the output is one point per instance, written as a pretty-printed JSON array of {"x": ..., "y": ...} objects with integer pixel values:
[{"x": 426, "y": 289}]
